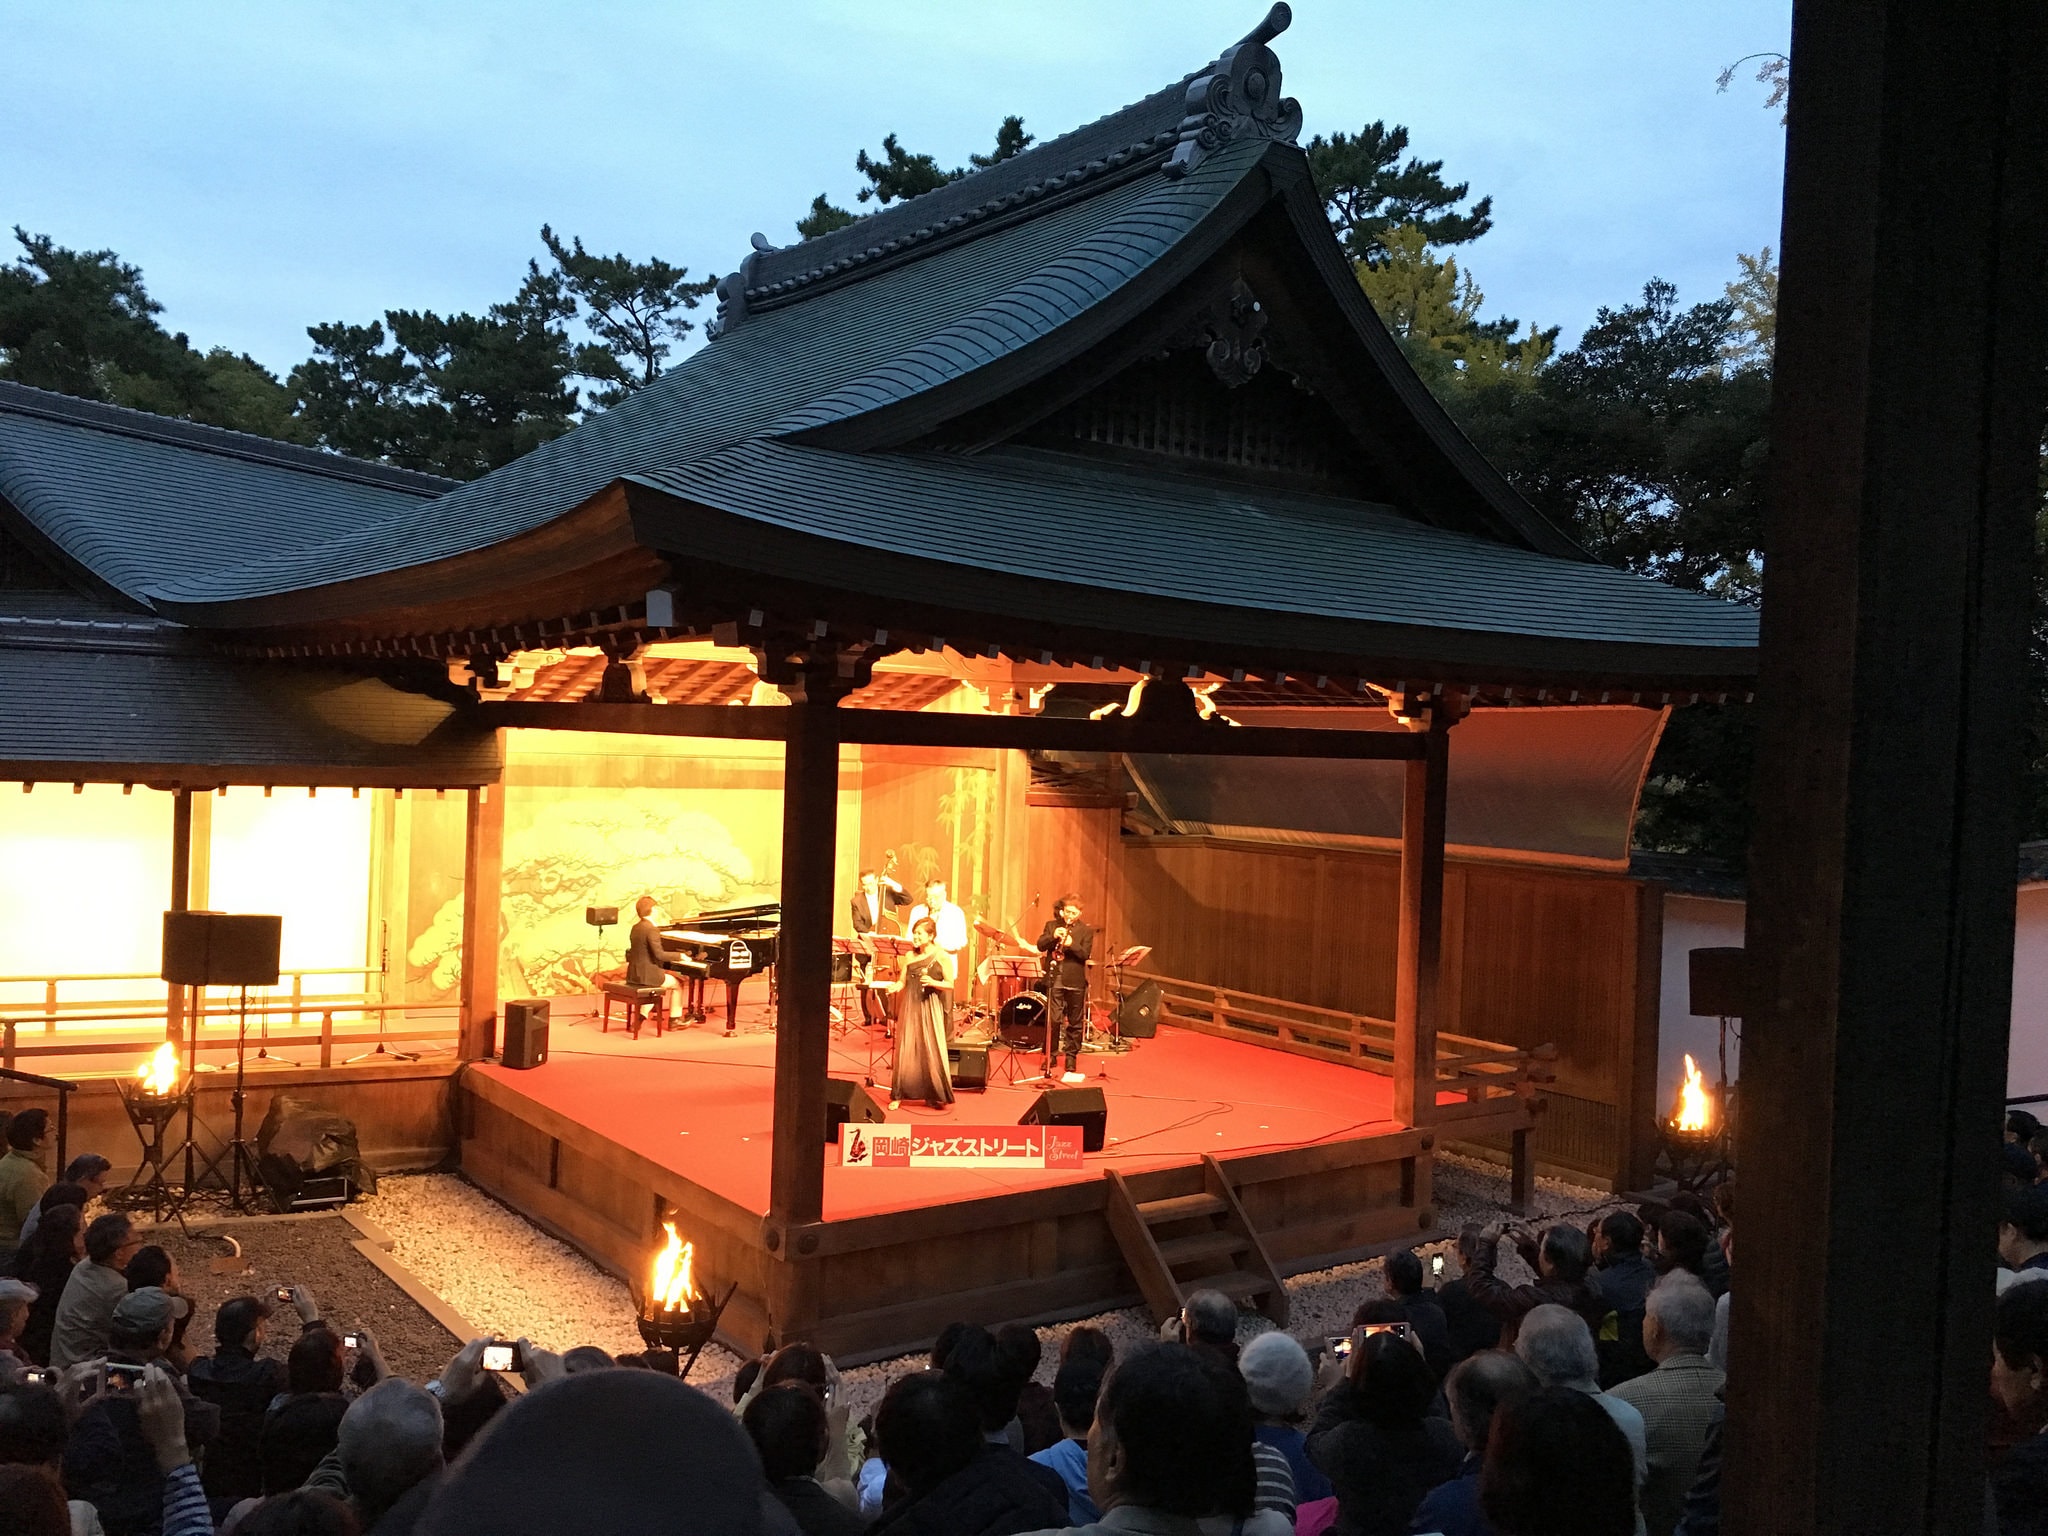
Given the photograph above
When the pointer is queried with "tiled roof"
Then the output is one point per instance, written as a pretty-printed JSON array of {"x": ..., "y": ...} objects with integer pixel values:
[
  {"x": 1089, "y": 544},
  {"x": 103, "y": 698},
  {"x": 143, "y": 501}
]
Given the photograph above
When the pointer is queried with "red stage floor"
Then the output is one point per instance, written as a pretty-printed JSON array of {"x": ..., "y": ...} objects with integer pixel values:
[{"x": 702, "y": 1105}]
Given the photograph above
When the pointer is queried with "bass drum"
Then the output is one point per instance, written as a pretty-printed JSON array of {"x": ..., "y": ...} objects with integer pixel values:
[{"x": 1021, "y": 1024}]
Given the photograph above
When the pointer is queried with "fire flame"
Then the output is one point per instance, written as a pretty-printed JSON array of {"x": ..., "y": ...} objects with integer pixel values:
[
  {"x": 1695, "y": 1110},
  {"x": 673, "y": 1289},
  {"x": 158, "y": 1074}
]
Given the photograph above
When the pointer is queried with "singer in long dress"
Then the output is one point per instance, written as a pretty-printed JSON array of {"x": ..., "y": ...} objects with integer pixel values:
[{"x": 927, "y": 985}]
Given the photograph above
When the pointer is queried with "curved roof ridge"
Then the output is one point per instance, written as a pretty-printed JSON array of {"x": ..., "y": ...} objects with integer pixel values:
[{"x": 98, "y": 415}]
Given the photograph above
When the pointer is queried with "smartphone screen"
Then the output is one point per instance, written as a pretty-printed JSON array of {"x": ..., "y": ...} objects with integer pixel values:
[
  {"x": 1339, "y": 1347},
  {"x": 1436, "y": 1265},
  {"x": 1398, "y": 1330},
  {"x": 498, "y": 1357},
  {"x": 284, "y": 1294},
  {"x": 348, "y": 1341},
  {"x": 122, "y": 1378}
]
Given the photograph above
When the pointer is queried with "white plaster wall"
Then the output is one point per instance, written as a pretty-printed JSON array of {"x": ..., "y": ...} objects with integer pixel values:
[
  {"x": 1692, "y": 922},
  {"x": 2027, "y": 1056},
  {"x": 1695, "y": 922}
]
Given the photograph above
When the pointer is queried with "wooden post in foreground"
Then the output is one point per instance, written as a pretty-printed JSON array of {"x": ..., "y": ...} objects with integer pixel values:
[
  {"x": 1906, "y": 424},
  {"x": 483, "y": 877},
  {"x": 803, "y": 1035},
  {"x": 1418, "y": 975}
]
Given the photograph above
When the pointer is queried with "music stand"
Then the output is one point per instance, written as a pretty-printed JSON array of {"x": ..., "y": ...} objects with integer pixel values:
[
  {"x": 849, "y": 989},
  {"x": 886, "y": 946}
]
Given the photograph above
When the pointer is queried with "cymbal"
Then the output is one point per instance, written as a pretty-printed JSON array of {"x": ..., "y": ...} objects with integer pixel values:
[{"x": 989, "y": 930}]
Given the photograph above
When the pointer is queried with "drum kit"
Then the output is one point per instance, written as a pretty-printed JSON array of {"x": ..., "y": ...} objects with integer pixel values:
[{"x": 1015, "y": 1019}]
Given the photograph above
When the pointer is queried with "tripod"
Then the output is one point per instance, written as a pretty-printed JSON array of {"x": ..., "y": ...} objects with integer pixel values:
[{"x": 240, "y": 1153}]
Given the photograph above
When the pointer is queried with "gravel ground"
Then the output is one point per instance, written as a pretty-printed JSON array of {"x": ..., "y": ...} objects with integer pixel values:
[
  {"x": 318, "y": 1252},
  {"x": 507, "y": 1276}
]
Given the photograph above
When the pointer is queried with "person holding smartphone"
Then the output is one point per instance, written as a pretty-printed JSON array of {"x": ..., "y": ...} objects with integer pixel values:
[
  {"x": 110, "y": 1463},
  {"x": 1374, "y": 1438}
]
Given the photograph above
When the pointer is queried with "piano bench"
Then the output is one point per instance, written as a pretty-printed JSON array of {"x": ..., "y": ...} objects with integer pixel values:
[{"x": 633, "y": 1000}]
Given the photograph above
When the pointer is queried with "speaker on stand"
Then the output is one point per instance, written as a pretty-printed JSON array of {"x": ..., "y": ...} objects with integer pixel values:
[{"x": 222, "y": 949}]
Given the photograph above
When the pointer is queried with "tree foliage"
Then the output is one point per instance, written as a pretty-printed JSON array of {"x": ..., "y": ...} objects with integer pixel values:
[
  {"x": 1433, "y": 309},
  {"x": 898, "y": 173},
  {"x": 637, "y": 312},
  {"x": 82, "y": 323},
  {"x": 1368, "y": 190}
]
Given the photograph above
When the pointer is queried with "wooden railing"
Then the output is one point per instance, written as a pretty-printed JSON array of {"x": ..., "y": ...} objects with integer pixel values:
[
  {"x": 336, "y": 1024},
  {"x": 56, "y": 1007},
  {"x": 1483, "y": 1071}
]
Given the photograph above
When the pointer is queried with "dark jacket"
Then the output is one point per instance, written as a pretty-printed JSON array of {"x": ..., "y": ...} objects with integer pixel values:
[
  {"x": 2019, "y": 1486},
  {"x": 110, "y": 1465},
  {"x": 1453, "y": 1509},
  {"x": 999, "y": 1493},
  {"x": 815, "y": 1511},
  {"x": 241, "y": 1387},
  {"x": 1066, "y": 965},
  {"x": 1472, "y": 1327},
  {"x": 644, "y": 954},
  {"x": 886, "y": 900},
  {"x": 48, "y": 1276},
  {"x": 1511, "y": 1303},
  {"x": 1432, "y": 1330},
  {"x": 1382, "y": 1474},
  {"x": 1624, "y": 1286}
]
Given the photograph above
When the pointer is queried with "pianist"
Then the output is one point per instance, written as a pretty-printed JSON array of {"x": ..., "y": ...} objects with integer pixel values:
[{"x": 645, "y": 953}]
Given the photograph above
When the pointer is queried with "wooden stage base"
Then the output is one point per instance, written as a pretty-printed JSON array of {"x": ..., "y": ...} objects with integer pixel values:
[{"x": 611, "y": 1134}]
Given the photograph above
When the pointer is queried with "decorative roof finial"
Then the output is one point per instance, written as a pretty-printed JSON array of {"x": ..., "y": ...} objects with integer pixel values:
[
  {"x": 1238, "y": 98},
  {"x": 732, "y": 289}
]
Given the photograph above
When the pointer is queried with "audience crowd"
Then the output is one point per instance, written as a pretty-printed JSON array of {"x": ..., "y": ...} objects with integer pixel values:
[{"x": 1584, "y": 1401}]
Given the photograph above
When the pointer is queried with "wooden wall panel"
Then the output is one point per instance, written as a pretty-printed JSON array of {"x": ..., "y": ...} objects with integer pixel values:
[
  {"x": 1075, "y": 847},
  {"x": 1534, "y": 956}
]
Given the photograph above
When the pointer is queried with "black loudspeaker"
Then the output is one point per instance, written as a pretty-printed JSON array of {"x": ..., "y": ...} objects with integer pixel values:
[
  {"x": 969, "y": 1064},
  {"x": 846, "y": 1100},
  {"x": 1718, "y": 980},
  {"x": 526, "y": 1033},
  {"x": 1072, "y": 1106},
  {"x": 1138, "y": 1019},
  {"x": 842, "y": 970},
  {"x": 221, "y": 949}
]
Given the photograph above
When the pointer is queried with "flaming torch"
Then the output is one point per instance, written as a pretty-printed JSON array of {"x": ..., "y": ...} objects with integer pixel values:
[
  {"x": 674, "y": 1315},
  {"x": 1695, "y": 1133},
  {"x": 154, "y": 1095}
]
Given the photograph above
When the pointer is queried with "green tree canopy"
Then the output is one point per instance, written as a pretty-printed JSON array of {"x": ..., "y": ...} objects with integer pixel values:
[
  {"x": 82, "y": 323},
  {"x": 1368, "y": 190},
  {"x": 1432, "y": 307},
  {"x": 900, "y": 173},
  {"x": 637, "y": 312}
]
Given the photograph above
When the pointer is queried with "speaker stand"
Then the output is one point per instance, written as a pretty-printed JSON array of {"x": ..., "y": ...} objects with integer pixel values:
[{"x": 239, "y": 1154}]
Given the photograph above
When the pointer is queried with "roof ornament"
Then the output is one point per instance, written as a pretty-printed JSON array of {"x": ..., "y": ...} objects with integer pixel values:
[
  {"x": 1238, "y": 98},
  {"x": 732, "y": 288}
]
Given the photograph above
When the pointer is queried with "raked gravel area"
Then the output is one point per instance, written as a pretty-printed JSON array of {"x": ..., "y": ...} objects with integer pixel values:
[{"x": 508, "y": 1277}]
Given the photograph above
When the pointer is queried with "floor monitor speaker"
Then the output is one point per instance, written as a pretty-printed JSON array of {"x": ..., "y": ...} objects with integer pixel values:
[
  {"x": 969, "y": 1065},
  {"x": 1138, "y": 1018},
  {"x": 221, "y": 949},
  {"x": 846, "y": 1100},
  {"x": 526, "y": 1033},
  {"x": 1072, "y": 1106}
]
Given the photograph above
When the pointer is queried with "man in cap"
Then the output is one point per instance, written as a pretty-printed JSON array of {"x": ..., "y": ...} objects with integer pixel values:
[{"x": 109, "y": 1462}]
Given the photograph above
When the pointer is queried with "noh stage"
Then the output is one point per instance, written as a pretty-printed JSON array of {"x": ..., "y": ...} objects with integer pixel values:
[{"x": 609, "y": 1131}]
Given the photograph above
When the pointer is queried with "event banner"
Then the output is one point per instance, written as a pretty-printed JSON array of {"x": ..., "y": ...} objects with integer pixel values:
[{"x": 959, "y": 1146}]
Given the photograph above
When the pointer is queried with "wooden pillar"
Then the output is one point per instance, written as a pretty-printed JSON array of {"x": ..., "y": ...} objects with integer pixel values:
[
  {"x": 483, "y": 871},
  {"x": 181, "y": 899},
  {"x": 803, "y": 1032},
  {"x": 1418, "y": 975},
  {"x": 1905, "y": 430}
]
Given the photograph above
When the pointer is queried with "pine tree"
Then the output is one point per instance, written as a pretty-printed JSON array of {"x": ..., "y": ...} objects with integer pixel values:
[
  {"x": 1368, "y": 191},
  {"x": 638, "y": 311},
  {"x": 898, "y": 173}
]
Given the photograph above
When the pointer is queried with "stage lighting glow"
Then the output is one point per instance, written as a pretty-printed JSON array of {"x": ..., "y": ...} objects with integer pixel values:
[{"x": 305, "y": 859}]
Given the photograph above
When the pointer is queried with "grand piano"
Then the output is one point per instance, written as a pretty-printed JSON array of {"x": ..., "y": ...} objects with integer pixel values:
[{"x": 728, "y": 944}]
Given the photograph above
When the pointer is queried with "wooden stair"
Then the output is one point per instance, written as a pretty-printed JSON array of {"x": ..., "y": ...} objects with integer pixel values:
[{"x": 1184, "y": 1243}]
